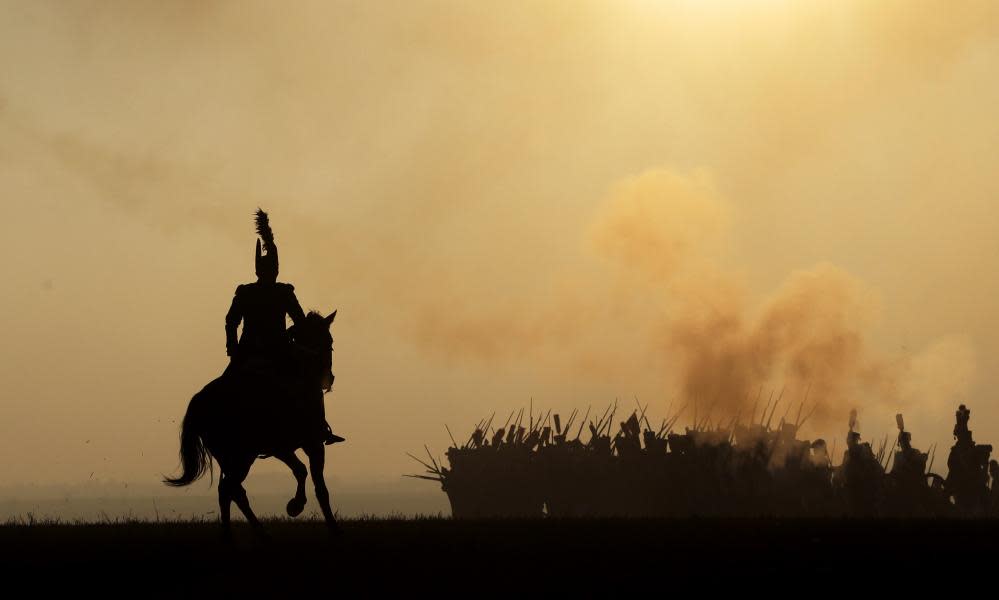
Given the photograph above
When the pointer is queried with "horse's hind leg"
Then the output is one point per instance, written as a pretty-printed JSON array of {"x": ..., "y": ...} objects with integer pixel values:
[
  {"x": 225, "y": 502},
  {"x": 297, "y": 504},
  {"x": 233, "y": 482},
  {"x": 317, "y": 461}
]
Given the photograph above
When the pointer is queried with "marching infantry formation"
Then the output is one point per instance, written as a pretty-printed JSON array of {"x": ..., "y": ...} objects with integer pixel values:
[{"x": 544, "y": 467}]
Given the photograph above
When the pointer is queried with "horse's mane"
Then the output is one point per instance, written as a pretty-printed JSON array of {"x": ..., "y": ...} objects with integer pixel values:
[
  {"x": 314, "y": 322},
  {"x": 314, "y": 317}
]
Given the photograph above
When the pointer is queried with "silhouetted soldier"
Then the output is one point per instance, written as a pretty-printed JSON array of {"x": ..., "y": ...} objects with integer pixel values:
[
  {"x": 968, "y": 476},
  {"x": 627, "y": 441},
  {"x": 816, "y": 479},
  {"x": 994, "y": 489},
  {"x": 262, "y": 306},
  {"x": 861, "y": 475},
  {"x": 907, "y": 492}
]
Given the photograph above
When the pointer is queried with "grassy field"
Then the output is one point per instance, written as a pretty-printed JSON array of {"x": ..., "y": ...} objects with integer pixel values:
[{"x": 441, "y": 554}]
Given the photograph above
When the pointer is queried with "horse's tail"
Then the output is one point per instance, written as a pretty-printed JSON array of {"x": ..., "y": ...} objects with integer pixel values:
[{"x": 195, "y": 459}]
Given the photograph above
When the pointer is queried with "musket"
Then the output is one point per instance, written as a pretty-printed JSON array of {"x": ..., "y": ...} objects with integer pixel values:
[
  {"x": 808, "y": 416},
  {"x": 752, "y": 417},
  {"x": 707, "y": 417},
  {"x": 568, "y": 424},
  {"x": 508, "y": 419},
  {"x": 429, "y": 468},
  {"x": 763, "y": 414},
  {"x": 891, "y": 455},
  {"x": 542, "y": 422},
  {"x": 881, "y": 449},
  {"x": 774, "y": 409},
  {"x": 732, "y": 426},
  {"x": 603, "y": 416},
  {"x": 787, "y": 411},
  {"x": 436, "y": 466},
  {"x": 675, "y": 418},
  {"x": 440, "y": 479},
  {"x": 600, "y": 423},
  {"x": 477, "y": 427},
  {"x": 610, "y": 421},
  {"x": 450, "y": 436},
  {"x": 695, "y": 413},
  {"x": 797, "y": 421},
  {"x": 583, "y": 422},
  {"x": 642, "y": 416}
]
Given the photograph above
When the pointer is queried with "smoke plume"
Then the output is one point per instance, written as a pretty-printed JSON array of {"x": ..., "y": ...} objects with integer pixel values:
[{"x": 659, "y": 296}]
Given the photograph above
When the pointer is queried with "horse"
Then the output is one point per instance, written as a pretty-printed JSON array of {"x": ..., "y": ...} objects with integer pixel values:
[{"x": 240, "y": 417}]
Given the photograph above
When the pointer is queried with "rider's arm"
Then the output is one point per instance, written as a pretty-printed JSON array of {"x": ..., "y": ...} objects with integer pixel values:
[
  {"x": 232, "y": 319},
  {"x": 294, "y": 308}
]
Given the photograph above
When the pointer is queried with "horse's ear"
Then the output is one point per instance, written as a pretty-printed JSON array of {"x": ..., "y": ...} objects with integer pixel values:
[{"x": 329, "y": 319}]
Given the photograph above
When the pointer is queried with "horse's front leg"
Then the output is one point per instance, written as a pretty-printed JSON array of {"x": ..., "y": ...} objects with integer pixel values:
[
  {"x": 297, "y": 504},
  {"x": 317, "y": 461}
]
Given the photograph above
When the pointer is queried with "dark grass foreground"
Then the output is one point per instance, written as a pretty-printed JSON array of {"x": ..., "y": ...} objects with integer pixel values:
[{"x": 444, "y": 557}]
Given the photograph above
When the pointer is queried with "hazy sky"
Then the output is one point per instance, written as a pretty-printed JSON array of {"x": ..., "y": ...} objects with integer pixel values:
[{"x": 570, "y": 201}]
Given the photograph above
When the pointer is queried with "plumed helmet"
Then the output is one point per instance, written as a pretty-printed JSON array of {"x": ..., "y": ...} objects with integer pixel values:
[{"x": 266, "y": 262}]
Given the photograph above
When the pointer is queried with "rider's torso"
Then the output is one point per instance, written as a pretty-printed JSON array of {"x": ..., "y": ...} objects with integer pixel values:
[{"x": 264, "y": 307}]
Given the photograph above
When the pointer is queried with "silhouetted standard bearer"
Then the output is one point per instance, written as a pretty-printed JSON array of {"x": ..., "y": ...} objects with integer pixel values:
[{"x": 269, "y": 400}]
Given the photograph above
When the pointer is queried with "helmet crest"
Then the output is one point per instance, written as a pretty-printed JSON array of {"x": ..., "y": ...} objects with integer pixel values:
[{"x": 266, "y": 263}]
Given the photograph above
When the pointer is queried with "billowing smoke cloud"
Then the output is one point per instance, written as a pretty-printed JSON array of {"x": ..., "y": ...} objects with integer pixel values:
[
  {"x": 670, "y": 301},
  {"x": 810, "y": 335}
]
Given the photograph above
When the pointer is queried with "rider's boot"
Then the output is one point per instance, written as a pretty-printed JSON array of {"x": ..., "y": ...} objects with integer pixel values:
[{"x": 330, "y": 437}]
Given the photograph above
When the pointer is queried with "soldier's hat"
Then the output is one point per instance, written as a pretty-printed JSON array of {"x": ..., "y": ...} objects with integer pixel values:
[{"x": 266, "y": 262}]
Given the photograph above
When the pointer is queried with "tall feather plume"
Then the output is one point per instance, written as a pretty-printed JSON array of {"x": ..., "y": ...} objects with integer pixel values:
[{"x": 264, "y": 230}]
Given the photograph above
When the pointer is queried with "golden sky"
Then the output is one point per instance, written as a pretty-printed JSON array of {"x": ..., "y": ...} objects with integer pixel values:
[{"x": 570, "y": 201}]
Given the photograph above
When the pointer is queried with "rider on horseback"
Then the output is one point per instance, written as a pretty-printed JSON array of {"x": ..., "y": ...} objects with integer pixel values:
[{"x": 262, "y": 306}]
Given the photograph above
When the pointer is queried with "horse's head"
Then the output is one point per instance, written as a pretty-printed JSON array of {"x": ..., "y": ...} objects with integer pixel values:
[{"x": 314, "y": 337}]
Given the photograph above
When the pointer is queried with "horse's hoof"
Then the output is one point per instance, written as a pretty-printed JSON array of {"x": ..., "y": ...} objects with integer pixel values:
[
  {"x": 334, "y": 531},
  {"x": 295, "y": 507},
  {"x": 262, "y": 536}
]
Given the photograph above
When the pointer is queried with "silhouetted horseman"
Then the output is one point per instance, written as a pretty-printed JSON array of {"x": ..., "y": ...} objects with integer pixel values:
[
  {"x": 269, "y": 400},
  {"x": 262, "y": 307}
]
